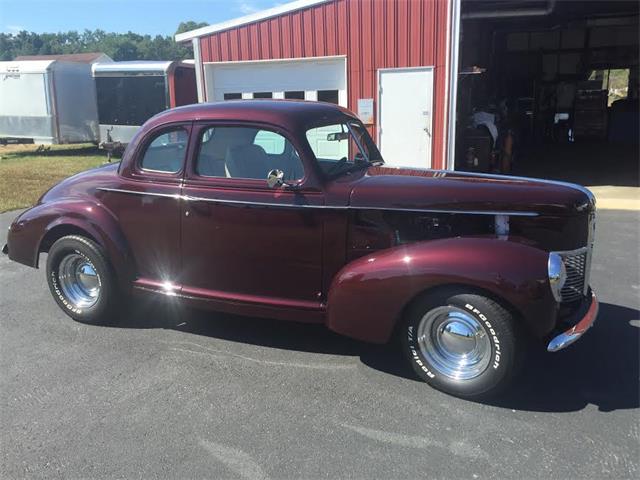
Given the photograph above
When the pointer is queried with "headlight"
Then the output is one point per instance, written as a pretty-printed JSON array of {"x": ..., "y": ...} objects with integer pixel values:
[{"x": 557, "y": 274}]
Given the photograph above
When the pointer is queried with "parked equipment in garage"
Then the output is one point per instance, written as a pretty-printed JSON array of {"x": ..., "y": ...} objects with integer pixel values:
[
  {"x": 590, "y": 117},
  {"x": 559, "y": 76},
  {"x": 129, "y": 93},
  {"x": 47, "y": 102}
]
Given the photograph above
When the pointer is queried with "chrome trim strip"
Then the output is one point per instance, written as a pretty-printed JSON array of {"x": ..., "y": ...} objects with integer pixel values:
[
  {"x": 134, "y": 192},
  {"x": 590, "y": 244},
  {"x": 166, "y": 293},
  {"x": 349, "y": 207},
  {"x": 320, "y": 307},
  {"x": 189, "y": 198}
]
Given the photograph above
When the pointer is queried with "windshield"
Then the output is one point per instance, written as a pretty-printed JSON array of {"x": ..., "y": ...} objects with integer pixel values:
[{"x": 343, "y": 147}]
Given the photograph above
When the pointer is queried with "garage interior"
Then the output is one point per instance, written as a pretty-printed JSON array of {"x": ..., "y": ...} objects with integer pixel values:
[{"x": 549, "y": 89}]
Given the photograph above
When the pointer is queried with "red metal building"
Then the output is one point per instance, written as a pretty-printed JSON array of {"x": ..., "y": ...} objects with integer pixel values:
[{"x": 387, "y": 60}]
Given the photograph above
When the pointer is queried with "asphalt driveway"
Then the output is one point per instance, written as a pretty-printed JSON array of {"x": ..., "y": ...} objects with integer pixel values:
[{"x": 170, "y": 393}]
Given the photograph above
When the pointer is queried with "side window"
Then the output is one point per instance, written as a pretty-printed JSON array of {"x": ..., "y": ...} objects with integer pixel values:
[
  {"x": 166, "y": 152},
  {"x": 246, "y": 152}
]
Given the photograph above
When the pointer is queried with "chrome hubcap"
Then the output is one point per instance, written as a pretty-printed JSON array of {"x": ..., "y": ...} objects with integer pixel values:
[
  {"x": 454, "y": 343},
  {"x": 79, "y": 281}
]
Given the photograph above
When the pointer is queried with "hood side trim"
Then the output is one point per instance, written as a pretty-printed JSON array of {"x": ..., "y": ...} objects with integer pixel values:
[{"x": 189, "y": 198}]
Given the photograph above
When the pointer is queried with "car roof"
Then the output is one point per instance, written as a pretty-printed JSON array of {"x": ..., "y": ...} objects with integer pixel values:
[{"x": 290, "y": 114}]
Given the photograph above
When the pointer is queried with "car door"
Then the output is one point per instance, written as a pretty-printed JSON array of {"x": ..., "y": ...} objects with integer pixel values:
[
  {"x": 242, "y": 240},
  {"x": 146, "y": 202}
]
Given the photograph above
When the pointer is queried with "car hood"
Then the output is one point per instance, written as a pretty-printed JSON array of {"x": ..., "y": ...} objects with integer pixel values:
[{"x": 422, "y": 189}]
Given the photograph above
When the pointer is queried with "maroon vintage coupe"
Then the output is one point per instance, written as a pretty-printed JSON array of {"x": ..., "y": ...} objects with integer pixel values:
[{"x": 284, "y": 209}]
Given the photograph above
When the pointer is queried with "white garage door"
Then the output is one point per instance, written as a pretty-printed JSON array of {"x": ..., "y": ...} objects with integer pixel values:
[{"x": 321, "y": 78}]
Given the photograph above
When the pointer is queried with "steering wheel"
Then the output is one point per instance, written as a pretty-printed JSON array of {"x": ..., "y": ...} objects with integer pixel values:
[{"x": 338, "y": 165}]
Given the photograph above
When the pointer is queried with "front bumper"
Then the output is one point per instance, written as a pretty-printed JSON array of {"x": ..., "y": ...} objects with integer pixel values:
[{"x": 574, "y": 333}]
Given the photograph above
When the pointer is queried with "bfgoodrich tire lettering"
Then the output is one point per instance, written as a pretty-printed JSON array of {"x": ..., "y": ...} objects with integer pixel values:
[
  {"x": 93, "y": 300},
  {"x": 462, "y": 343}
]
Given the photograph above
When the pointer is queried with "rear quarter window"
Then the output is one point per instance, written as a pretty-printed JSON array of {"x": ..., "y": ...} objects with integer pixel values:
[{"x": 166, "y": 152}]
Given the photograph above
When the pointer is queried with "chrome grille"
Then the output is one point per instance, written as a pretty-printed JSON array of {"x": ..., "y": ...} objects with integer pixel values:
[{"x": 576, "y": 265}]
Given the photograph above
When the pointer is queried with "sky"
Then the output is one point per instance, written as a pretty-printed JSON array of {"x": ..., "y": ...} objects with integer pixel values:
[{"x": 155, "y": 17}]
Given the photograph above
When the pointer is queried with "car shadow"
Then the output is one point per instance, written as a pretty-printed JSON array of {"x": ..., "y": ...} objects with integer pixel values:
[{"x": 601, "y": 369}]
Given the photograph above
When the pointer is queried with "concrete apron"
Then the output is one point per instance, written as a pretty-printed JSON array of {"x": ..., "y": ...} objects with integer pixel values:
[{"x": 610, "y": 197}]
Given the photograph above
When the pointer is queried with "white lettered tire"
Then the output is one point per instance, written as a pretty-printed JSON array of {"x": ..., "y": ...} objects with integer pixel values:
[
  {"x": 462, "y": 342},
  {"x": 81, "y": 280}
]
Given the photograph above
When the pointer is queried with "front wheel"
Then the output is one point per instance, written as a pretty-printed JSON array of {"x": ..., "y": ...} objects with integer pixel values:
[
  {"x": 81, "y": 280},
  {"x": 462, "y": 343}
]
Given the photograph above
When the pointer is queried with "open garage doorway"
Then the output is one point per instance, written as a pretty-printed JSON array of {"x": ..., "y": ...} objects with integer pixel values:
[{"x": 549, "y": 89}]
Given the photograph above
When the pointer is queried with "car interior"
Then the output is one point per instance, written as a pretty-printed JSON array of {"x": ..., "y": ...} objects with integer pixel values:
[{"x": 242, "y": 152}]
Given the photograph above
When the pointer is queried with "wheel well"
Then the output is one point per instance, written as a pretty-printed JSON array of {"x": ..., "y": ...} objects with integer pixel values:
[
  {"x": 468, "y": 288},
  {"x": 60, "y": 231}
]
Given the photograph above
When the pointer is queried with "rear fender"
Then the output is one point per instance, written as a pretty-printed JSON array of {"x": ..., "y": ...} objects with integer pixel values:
[
  {"x": 35, "y": 229},
  {"x": 369, "y": 295}
]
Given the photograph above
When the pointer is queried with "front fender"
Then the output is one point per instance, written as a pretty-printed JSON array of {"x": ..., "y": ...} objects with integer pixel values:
[
  {"x": 368, "y": 296},
  {"x": 30, "y": 229}
]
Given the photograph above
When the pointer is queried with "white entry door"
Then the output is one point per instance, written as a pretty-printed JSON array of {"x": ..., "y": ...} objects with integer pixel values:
[{"x": 405, "y": 104}]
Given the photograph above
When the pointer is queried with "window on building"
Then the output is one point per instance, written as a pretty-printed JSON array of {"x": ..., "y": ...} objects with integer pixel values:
[
  {"x": 616, "y": 81},
  {"x": 330, "y": 96},
  {"x": 246, "y": 152},
  {"x": 232, "y": 96},
  {"x": 166, "y": 152},
  {"x": 262, "y": 95},
  {"x": 294, "y": 95}
]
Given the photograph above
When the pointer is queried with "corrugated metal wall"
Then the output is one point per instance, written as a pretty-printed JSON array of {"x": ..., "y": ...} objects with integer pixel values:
[{"x": 372, "y": 34}]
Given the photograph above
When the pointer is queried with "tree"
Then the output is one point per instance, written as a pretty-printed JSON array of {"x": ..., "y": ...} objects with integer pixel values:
[
  {"x": 119, "y": 46},
  {"x": 190, "y": 25}
]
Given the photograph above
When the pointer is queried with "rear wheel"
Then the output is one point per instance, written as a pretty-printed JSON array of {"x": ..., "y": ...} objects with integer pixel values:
[
  {"x": 462, "y": 343},
  {"x": 80, "y": 279}
]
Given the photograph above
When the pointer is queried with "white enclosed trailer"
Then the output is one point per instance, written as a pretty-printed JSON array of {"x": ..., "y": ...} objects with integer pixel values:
[
  {"x": 131, "y": 92},
  {"x": 47, "y": 101}
]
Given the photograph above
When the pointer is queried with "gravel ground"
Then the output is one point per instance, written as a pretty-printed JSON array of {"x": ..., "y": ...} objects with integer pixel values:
[{"x": 173, "y": 393}]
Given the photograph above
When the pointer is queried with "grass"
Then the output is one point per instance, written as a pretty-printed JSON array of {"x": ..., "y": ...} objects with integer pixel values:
[{"x": 26, "y": 173}]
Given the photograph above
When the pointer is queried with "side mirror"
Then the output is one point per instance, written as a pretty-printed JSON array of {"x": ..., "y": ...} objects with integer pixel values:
[{"x": 275, "y": 178}]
